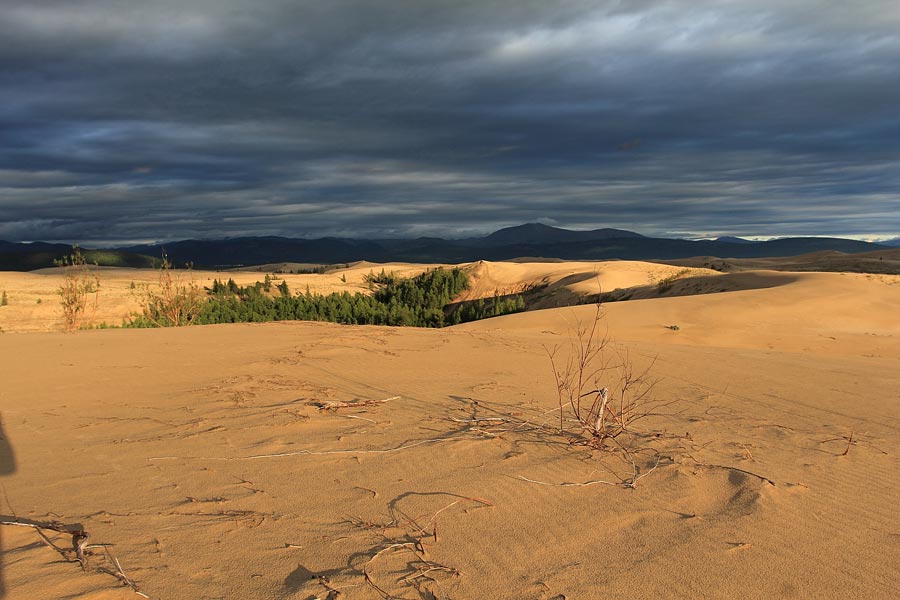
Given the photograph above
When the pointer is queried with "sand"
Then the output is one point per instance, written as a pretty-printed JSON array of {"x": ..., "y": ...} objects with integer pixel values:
[
  {"x": 34, "y": 305},
  {"x": 34, "y": 302},
  {"x": 199, "y": 454}
]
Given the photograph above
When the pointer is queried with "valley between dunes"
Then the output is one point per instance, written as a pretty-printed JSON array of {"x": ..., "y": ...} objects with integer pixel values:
[{"x": 200, "y": 454}]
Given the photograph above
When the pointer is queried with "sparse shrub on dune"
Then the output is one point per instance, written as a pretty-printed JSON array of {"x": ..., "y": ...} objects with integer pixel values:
[
  {"x": 599, "y": 391},
  {"x": 665, "y": 284},
  {"x": 78, "y": 292},
  {"x": 175, "y": 301},
  {"x": 601, "y": 397}
]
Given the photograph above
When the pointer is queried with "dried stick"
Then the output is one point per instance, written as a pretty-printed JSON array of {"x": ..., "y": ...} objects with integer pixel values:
[
  {"x": 368, "y": 577},
  {"x": 333, "y": 592},
  {"x": 314, "y": 452},
  {"x": 482, "y": 501},
  {"x": 569, "y": 483},
  {"x": 336, "y": 404},
  {"x": 121, "y": 576},
  {"x": 744, "y": 471},
  {"x": 849, "y": 443},
  {"x": 80, "y": 548},
  {"x": 79, "y": 537}
]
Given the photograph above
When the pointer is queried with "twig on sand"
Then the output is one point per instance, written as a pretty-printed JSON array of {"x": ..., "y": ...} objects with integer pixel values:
[
  {"x": 626, "y": 482},
  {"x": 849, "y": 443},
  {"x": 338, "y": 404},
  {"x": 80, "y": 549},
  {"x": 481, "y": 501},
  {"x": 317, "y": 452},
  {"x": 849, "y": 439},
  {"x": 79, "y": 538},
  {"x": 373, "y": 421},
  {"x": 333, "y": 592},
  {"x": 569, "y": 483},
  {"x": 121, "y": 576},
  {"x": 744, "y": 471},
  {"x": 854, "y": 440},
  {"x": 419, "y": 567}
]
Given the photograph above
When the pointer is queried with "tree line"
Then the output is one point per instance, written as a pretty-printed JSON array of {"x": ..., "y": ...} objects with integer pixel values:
[{"x": 420, "y": 301}]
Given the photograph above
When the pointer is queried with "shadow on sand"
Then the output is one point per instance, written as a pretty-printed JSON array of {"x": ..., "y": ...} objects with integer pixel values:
[{"x": 7, "y": 467}]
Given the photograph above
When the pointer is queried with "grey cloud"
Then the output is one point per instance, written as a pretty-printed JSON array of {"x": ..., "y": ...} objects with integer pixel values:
[{"x": 405, "y": 117}]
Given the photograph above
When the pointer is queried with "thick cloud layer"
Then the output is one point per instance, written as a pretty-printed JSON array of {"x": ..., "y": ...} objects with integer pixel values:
[{"x": 210, "y": 118}]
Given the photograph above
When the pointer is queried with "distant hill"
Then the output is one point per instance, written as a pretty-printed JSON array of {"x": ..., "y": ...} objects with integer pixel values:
[
  {"x": 885, "y": 260},
  {"x": 531, "y": 240},
  {"x": 39, "y": 255},
  {"x": 734, "y": 240},
  {"x": 31, "y": 248},
  {"x": 536, "y": 233},
  {"x": 894, "y": 243}
]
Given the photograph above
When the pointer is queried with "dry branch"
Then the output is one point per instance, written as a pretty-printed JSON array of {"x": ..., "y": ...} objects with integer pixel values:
[
  {"x": 338, "y": 404},
  {"x": 316, "y": 452},
  {"x": 569, "y": 483},
  {"x": 79, "y": 537},
  {"x": 744, "y": 471},
  {"x": 173, "y": 302},
  {"x": 849, "y": 443},
  {"x": 597, "y": 388},
  {"x": 80, "y": 550},
  {"x": 413, "y": 542}
]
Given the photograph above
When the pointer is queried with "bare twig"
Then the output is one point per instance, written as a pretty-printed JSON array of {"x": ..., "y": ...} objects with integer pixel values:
[
  {"x": 121, "y": 576},
  {"x": 79, "y": 537},
  {"x": 570, "y": 483},
  {"x": 598, "y": 388},
  {"x": 316, "y": 452},
  {"x": 373, "y": 421},
  {"x": 481, "y": 501},
  {"x": 338, "y": 404},
  {"x": 747, "y": 450},
  {"x": 744, "y": 471},
  {"x": 849, "y": 443},
  {"x": 333, "y": 592},
  {"x": 80, "y": 549}
]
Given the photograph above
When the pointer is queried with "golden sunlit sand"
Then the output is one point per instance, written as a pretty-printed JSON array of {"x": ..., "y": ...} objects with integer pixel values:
[{"x": 202, "y": 457}]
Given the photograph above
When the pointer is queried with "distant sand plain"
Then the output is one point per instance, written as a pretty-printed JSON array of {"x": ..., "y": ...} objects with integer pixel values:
[{"x": 199, "y": 453}]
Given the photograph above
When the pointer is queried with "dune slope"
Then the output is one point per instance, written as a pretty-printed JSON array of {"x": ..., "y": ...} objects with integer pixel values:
[{"x": 202, "y": 456}]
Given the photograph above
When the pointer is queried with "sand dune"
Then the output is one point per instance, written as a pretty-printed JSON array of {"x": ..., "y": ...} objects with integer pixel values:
[
  {"x": 826, "y": 313},
  {"x": 199, "y": 452},
  {"x": 34, "y": 304}
]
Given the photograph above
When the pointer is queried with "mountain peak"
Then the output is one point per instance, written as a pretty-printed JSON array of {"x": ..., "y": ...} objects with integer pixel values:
[
  {"x": 538, "y": 233},
  {"x": 733, "y": 240}
]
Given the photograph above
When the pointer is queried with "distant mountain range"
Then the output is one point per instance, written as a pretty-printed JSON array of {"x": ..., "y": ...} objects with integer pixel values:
[
  {"x": 39, "y": 255},
  {"x": 532, "y": 240},
  {"x": 734, "y": 240}
]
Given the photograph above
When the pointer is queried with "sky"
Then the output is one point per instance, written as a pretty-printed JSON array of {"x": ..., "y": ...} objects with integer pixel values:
[{"x": 127, "y": 121}]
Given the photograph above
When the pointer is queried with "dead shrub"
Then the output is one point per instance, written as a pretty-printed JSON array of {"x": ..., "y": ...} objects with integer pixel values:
[
  {"x": 175, "y": 301},
  {"x": 600, "y": 393},
  {"x": 78, "y": 292}
]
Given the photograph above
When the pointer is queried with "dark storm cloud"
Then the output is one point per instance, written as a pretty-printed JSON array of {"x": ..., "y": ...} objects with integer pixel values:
[{"x": 210, "y": 118}]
